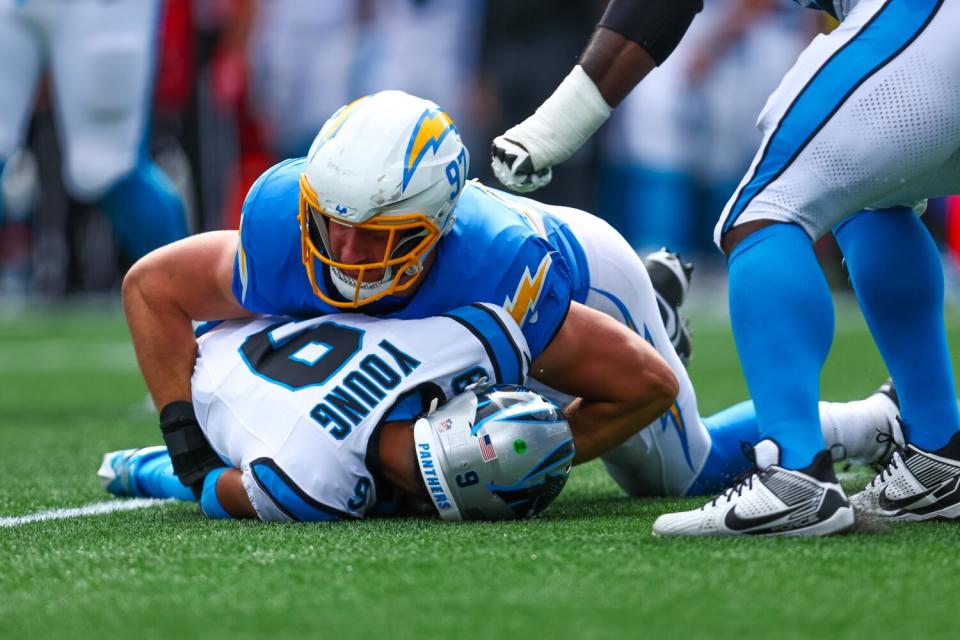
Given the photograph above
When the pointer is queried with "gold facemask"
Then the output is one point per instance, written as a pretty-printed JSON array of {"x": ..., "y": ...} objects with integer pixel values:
[{"x": 407, "y": 266}]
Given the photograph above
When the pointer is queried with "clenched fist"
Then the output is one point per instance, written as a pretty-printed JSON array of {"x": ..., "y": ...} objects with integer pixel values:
[{"x": 513, "y": 166}]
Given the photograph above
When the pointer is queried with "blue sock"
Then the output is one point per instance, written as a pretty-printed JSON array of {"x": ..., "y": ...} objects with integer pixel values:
[
  {"x": 896, "y": 272},
  {"x": 782, "y": 318},
  {"x": 145, "y": 210},
  {"x": 155, "y": 479},
  {"x": 728, "y": 430},
  {"x": 209, "y": 502}
]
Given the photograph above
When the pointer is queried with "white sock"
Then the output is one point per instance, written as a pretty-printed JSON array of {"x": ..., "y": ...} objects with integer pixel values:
[{"x": 854, "y": 426}]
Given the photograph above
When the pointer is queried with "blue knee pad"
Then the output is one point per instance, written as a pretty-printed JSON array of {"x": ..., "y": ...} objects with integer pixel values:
[
  {"x": 209, "y": 502},
  {"x": 145, "y": 210}
]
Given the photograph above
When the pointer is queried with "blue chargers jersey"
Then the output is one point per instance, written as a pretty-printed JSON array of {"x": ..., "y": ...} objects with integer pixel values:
[{"x": 500, "y": 250}]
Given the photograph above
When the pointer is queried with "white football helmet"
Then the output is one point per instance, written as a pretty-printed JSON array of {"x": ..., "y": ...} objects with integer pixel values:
[
  {"x": 499, "y": 452},
  {"x": 390, "y": 163}
]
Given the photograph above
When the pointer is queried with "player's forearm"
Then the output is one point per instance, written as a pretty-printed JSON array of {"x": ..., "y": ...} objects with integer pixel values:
[
  {"x": 615, "y": 64},
  {"x": 621, "y": 382},
  {"x": 232, "y": 496},
  {"x": 633, "y": 36},
  {"x": 162, "y": 335},
  {"x": 599, "y": 427},
  {"x": 163, "y": 292}
]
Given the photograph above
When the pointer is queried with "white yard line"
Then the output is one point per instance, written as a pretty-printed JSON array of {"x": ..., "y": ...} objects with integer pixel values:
[{"x": 95, "y": 509}]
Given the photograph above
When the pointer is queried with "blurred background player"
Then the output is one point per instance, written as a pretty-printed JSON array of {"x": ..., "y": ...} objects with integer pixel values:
[{"x": 101, "y": 59}]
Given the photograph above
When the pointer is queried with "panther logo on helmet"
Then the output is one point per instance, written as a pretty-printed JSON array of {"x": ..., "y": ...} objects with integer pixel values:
[{"x": 390, "y": 163}]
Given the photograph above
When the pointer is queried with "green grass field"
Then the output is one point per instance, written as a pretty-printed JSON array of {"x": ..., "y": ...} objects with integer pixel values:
[{"x": 69, "y": 390}]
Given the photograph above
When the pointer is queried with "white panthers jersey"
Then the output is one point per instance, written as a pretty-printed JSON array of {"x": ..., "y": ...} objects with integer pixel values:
[{"x": 294, "y": 403}]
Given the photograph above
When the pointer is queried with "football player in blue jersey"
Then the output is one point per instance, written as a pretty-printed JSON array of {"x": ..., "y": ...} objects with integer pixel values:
[
  {"x": 866, "y": 122},
  {"x": 380, "y": 217}
]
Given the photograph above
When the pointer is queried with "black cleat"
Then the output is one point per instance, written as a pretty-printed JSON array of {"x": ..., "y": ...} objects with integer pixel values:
[{"x": 671, "y": 277}]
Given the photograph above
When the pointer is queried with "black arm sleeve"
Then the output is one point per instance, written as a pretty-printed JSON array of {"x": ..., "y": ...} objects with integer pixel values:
[{"x": 656, "y": 25}]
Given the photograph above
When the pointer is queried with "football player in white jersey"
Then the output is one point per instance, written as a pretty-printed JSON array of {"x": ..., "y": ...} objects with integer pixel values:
[
  {"x": 859, "y": 132},
  {"x": 101, "y": 58},
  {"x": 339, "y": 417}
]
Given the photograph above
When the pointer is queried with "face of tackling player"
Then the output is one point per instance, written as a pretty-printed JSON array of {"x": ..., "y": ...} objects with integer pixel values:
[{"x": 377, "y": 194}]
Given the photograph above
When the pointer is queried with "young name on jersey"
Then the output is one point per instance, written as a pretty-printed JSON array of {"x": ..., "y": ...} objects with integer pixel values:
[{"x": 294, "y": 404}]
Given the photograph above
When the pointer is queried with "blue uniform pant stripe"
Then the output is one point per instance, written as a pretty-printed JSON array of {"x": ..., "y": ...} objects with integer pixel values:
[{"x": 883, "y": 38}]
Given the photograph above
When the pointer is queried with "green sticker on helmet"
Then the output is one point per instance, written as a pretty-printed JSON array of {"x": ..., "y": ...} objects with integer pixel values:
[{"x": 519, "y": 446}]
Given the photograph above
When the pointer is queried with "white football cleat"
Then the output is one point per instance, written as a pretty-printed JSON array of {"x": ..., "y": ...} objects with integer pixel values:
[
  {"x": 915, "y": 485},
  {"x": 670, "y": 275},
  {"x": 770, "y": 501}
]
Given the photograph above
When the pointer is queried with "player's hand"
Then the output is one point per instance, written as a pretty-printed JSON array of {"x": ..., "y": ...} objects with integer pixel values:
[{"x": 513, "y": 166}]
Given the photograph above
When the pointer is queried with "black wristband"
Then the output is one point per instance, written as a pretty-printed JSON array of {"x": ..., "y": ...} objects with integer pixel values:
[
  {"x": 190, "y": 451},
  {"x": 176, "y": 410},
  {"x": 656, "y": 25}
]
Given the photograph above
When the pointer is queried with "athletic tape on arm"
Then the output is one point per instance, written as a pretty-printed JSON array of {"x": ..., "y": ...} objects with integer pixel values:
[{"x": 564, "y": 122}]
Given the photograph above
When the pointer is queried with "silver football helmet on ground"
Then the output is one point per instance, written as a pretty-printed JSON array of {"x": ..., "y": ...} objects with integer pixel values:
[{"x": 494, "y": 453}]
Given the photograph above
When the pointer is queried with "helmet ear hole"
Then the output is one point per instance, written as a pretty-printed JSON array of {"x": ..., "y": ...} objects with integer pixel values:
[{"x": 494, "y": 453}]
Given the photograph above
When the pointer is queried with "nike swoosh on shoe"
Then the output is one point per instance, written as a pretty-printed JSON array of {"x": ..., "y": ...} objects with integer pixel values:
[
  {"x": 735, "y": 523},
  {"x": 903, "y": 504}
]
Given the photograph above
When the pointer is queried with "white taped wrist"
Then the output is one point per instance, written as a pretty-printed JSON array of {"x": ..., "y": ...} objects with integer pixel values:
[{"x": 563, "y": 122}]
